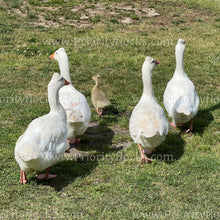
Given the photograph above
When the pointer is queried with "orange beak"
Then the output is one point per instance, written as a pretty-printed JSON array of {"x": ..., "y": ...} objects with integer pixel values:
[
  {"x": 52, "y": 56},
  {"x": 93, "y": 77},
  {"x": 66, "y": 82}
]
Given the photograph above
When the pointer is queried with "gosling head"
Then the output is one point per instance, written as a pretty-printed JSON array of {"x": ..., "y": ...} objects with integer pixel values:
[{"x": 96, "y": 78}]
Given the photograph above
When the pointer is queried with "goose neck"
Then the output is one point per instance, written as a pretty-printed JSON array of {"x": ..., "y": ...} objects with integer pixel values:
[
  {"x": 147, "y": 86},
  {"x": 179, "y": 62},
  {"x": 54, "y": 103},
  {"x": 64, "y": 69}
]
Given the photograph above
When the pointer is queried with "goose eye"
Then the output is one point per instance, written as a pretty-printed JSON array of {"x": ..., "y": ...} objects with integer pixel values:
[{"x": 152, "y": 61}]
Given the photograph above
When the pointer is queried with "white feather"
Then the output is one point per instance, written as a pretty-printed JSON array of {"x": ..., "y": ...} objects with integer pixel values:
[
  {"x": 74, "y": 102},
  {"x": 44, "y": 142},
  {"x": 148, "y": 124},
  {"x": 180, "y": 98}
]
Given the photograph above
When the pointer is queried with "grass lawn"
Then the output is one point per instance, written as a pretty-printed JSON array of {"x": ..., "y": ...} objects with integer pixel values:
[{"x": 102, "y": 177}]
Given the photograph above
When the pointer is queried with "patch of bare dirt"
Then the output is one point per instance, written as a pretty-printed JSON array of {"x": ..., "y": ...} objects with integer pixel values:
[
  {"x": 95, "y": 136},
  {"x": 122, "y": 146},
  {"x": 93, "y": 14},
  {"x": 87, "y": 13},
  {"x": 19, "y": 12},
  {"x": 120, "y": 130},
  {"x": 127, "y": 20}
]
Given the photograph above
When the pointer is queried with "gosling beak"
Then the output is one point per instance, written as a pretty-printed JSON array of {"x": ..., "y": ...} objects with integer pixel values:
[
  {"x": 157, "y": 62},
  {"x": 93, "y": 77},
  {"x": 52, "y": 56},
  {"x": 66, "y": 82}
]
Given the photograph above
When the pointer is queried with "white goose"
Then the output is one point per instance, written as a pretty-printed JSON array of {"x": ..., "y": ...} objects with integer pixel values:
[
  {"x": 148, "y": 124},
  {"x": 180, "y": 98},
  {"x": 74, "y": 102},
  {"x": 44, "y": 142}
]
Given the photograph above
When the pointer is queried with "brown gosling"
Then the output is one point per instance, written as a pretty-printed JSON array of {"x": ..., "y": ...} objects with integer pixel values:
[{"x": 98, "y": 97}]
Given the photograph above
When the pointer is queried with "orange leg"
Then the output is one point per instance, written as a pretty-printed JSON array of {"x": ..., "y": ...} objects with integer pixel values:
[
  {"x": 173, "y": 125},
  {"x": 144, "y": 158},
  {"x": 190, "y": 127},
  {"x": 75, "y": 140},
  {"x": 99, "y": 111},
  {"x": 46, "y": 176},
  {"x": 23, "y": 178}
]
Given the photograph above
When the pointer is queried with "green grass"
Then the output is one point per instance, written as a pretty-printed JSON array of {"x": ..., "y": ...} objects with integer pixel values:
[{"x": 107, "y": 181}]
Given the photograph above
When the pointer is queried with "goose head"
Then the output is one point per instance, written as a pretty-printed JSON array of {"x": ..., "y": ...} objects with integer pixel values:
[
  {"x": 57, "y": 81},
  {"x": 149, "y": 64},
  {"x": 61, "y": 57},
  {"x": 180, "y": 46}
]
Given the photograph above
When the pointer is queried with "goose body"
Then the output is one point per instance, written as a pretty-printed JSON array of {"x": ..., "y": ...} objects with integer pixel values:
[
  {"x": 45, "y": 139},
  {"x": 180, "y": 97},
  {"x": 74, "y": 102},
  {"x": 148, "y": 124},
  {"x": 98, "y": 97}
]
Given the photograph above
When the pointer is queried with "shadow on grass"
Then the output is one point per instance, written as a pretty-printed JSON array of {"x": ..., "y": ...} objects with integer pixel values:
[
  {"x": 201, "y": 120},
  {"x": 110, "y": 117},
  {"x": 83, "y": 158},
  {"x": 171, "y": 149},
  {"x": 110, "y": 110},
  {"x": 97, "y": 137},
  {"x": 204, "y": 118},
  {"x": 111, "y": 114},
  {"x": 67, "y": 171}
]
